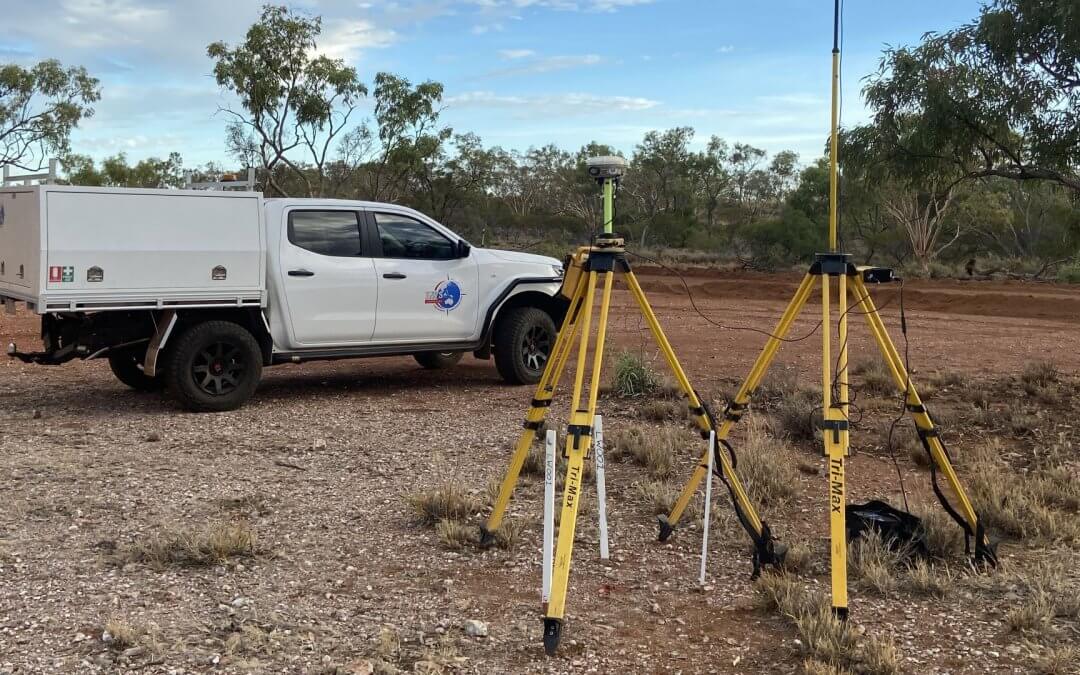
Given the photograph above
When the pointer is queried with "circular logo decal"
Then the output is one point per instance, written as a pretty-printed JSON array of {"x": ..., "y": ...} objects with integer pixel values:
[{"x": 447, "y": 295}]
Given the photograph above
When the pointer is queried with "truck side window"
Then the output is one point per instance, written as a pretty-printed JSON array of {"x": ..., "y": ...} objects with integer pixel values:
[
  {"x": 404, "y": 237},
  {"x": 334, "y": 233}
]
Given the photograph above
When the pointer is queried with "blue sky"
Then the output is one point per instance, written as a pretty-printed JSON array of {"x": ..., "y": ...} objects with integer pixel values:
[{"x": 519, "y": 73}]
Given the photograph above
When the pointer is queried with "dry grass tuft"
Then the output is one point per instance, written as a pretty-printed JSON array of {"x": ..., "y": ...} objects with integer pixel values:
[
  {"x": 947, "y": 378},
  {"x": 668, "y": 387},
  {"x": 767, "y": 466},
  {"x": 626, "y": 442},
  {"x": 443, "y": 657},
  {"x": 534, "y": 460},
  {"x": 653, "y": 449},
  {"x": 211, "y": 545},
  {"x": 798, "y": 416},
  {"x": 878, "y": 656},
  {"x": 827, "y": 641},
  {"x": 927, "y": 579},
  {"x": 120, "y": 635},
  {"x": 394, "y": 655},
  {"x": 1027, "y": 505},
  {"x": 1035, "y": 615},
  {"x": 874, "y": 563},
  {"x": 1050, "y": 593},
  {"x": 826, "y": 637},
  {"x": 508, "y": 534},
  {"x": 661, "y": 410},
  {"x": 782, "y": 593},
  {"x": 798, "y": 557},
  {"x": 660, "y": 496},
  {"x": 778, "y": 384},
  {"x": 815, "y": 667},
  {"x": 1039, "y": 374},
  {"x": 876, "y": 378},
  {"x": 1058, "y": 660},
  {"x": 388, "y": 644},
  {"x": 449, "y": 501},
  {"x": 454, "y": 535},
  {"x": 943, "y": 537}
]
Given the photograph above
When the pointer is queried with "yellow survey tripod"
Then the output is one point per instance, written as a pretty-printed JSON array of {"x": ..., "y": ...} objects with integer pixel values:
[
  {"x": 829, "y": 268},
  {"x": 589, "y": 267}
]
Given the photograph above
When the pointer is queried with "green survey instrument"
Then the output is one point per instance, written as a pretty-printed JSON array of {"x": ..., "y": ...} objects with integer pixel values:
[{"x": 591, "y": 267}]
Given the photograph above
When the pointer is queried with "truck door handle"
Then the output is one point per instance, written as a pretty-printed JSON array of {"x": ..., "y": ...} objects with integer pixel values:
[
  {"x": 301, "y": 273},
  {"x": 393, "y": 275}
]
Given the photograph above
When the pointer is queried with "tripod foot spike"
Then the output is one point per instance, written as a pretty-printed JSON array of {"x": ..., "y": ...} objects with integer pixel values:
[
  {"x": 666, "y": 529},
  {"x": 767, "y": 551},
  {"x": 840, "y": 613},
  {"x": 552, "y": 633},
  {"x": 985, "y": 551},
  {"x": 486, "y": 538}
]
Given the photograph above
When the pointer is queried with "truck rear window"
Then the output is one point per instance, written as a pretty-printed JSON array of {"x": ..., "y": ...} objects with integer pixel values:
[{"x": 333, "y": 233}]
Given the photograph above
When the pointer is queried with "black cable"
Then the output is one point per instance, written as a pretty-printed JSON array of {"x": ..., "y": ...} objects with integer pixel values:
[
  {"x": 693, "y": 304},
  {"x": 903, "y": 402},
  {"x": 834, "y": 384}
]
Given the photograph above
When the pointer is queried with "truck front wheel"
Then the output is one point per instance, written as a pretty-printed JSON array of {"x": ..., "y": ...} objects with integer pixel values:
[
  {"x": 523, "y": 342},
  {"x": 126, "y": 365},
  {"x": 214, "y": 366}
]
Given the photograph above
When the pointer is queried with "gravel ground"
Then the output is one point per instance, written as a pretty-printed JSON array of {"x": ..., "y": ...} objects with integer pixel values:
[{"x": 320, "y": 466}]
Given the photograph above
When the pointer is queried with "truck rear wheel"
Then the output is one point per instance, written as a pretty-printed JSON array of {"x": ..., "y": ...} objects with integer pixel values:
[
  {"x": 214, "y": 366},
  {"x": 126, "y": 365},
  {"x": 523, "y": 342},
  {"x": 438, "y": 360}
]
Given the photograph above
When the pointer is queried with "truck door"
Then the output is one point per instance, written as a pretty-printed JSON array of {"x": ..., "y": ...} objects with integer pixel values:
[
  {"x": 426, "y": 292},
  {"x": 329, "y": 279}
]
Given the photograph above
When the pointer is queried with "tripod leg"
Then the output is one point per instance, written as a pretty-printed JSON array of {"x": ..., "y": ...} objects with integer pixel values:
[
  {"x": 578, "y": 442},
  {"x": 534, "y": 419},
  {"x": 834, "y": 431},
  {"x": 928, "y": 433},
  {"x": 739, "y": 404}
]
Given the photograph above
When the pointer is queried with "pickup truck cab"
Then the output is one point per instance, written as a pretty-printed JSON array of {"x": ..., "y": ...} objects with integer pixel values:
[{"x": 197, "y": 291}]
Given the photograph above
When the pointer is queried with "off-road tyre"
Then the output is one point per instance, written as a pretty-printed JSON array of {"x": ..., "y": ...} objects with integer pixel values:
[
  {"x": 213, "y": 367},
  {"x": 524, "y": 339},
  {"x": 438, "y": 360},
  {"x": 126, "y": 365}
]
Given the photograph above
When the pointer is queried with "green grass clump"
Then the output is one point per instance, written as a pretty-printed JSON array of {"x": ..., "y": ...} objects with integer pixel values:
[{"x": 633, "y": 376}]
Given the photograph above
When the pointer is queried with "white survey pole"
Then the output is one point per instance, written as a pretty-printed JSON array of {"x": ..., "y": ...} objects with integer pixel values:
[
  {"x": 708, "y": 507},
  {"x": 601, "y": 487},
  {"x": 550, "y": 442}
]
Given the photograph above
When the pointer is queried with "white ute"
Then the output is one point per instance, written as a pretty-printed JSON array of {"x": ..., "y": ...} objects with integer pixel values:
[{"x": 197, "y": 291}]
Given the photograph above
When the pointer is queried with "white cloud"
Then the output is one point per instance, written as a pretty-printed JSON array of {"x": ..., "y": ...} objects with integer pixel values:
[
  {"x": 561, "y": 105},
  {"x": 345, "y": 39},
  {"x": 549, "y": 64},
  {"x": 561, "y": 5},
  {"x": 725, "y": 49},
  {"x": 101, "y": 23},
  {"x": 793, "y": 99},
  {"x": 485, "y": 28},
  {"x": 516, "y": 53}
]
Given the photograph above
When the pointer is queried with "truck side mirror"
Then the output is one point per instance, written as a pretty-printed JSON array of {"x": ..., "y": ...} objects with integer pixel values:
[{"x": 463, "y": 248}]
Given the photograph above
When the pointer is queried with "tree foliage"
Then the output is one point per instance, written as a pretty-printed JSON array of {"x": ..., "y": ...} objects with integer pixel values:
[
  {"x": 39, "y": 107},
  {"x": 997, "y": 97},
  {"x": 115, "y": 171},
  {"x": 972, "y": 152},
  {"x": 294, "y": 102}
]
